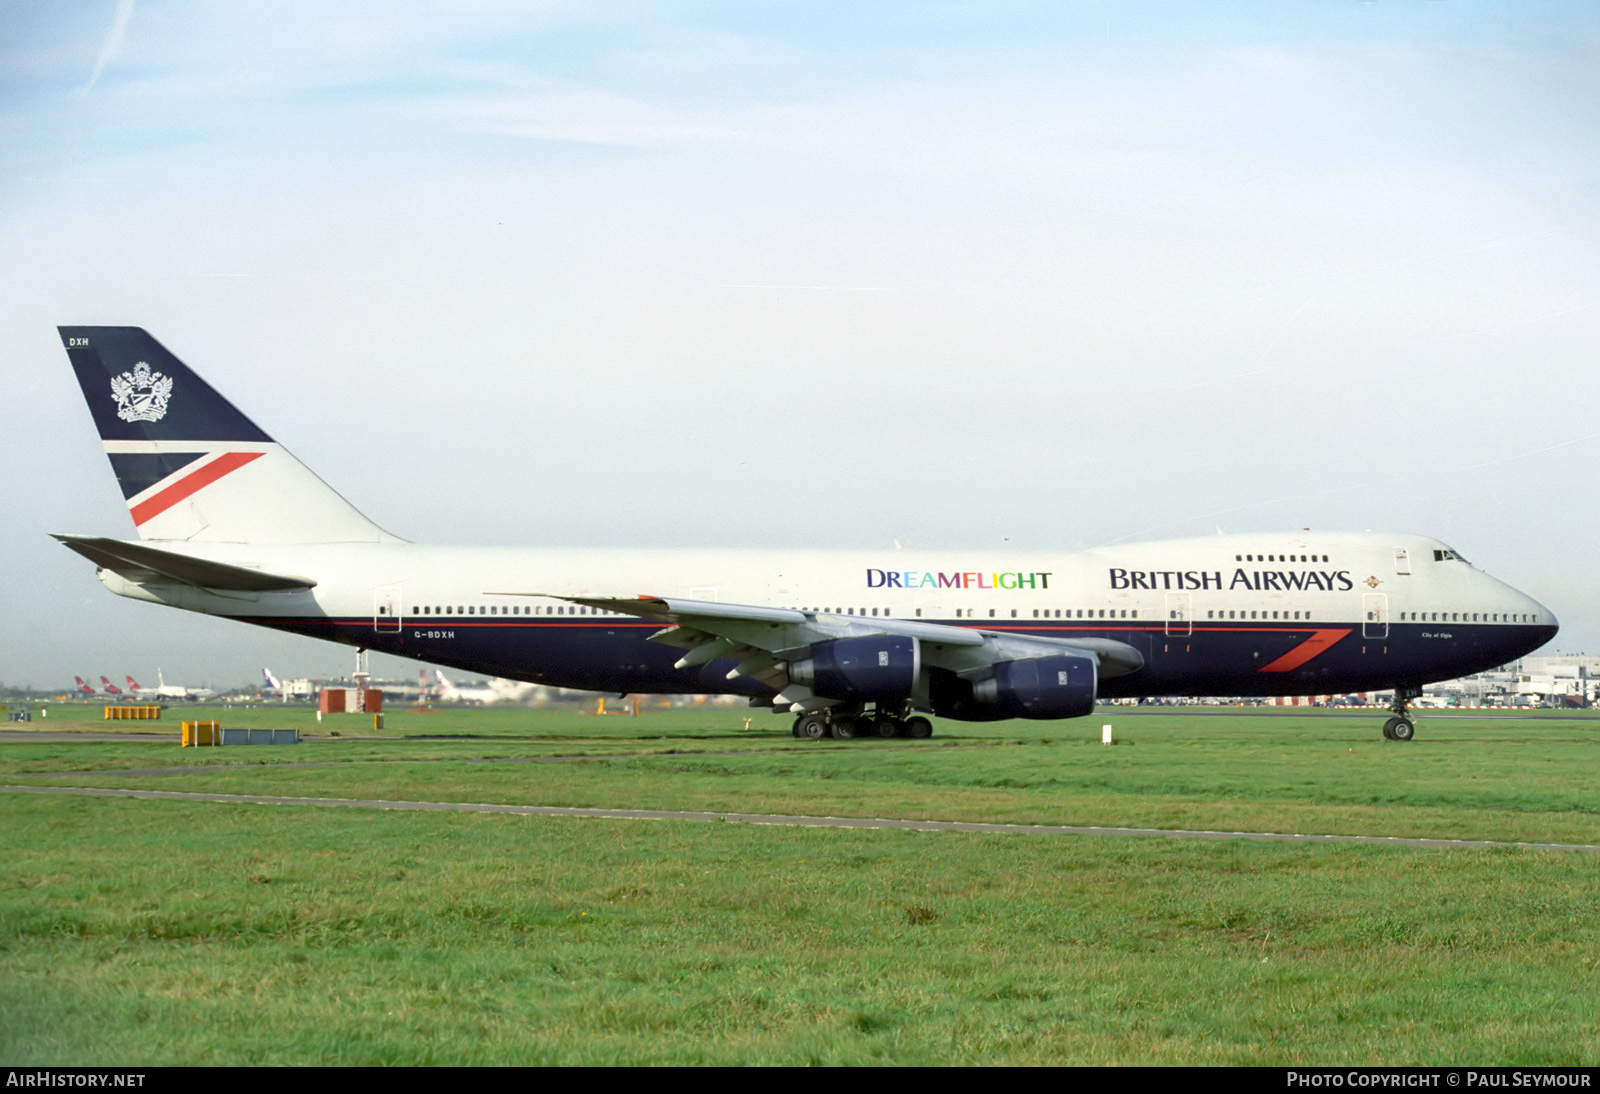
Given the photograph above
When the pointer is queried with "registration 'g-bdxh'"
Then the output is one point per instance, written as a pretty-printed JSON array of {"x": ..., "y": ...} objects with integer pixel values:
[{"x": 230, "y": 524}]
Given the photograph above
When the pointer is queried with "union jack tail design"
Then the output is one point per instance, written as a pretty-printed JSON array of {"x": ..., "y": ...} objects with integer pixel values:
[{"x": 190, "y": 465}]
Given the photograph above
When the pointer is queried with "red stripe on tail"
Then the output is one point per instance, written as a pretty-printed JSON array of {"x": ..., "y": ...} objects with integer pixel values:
[{"x": 201, "y": 477}]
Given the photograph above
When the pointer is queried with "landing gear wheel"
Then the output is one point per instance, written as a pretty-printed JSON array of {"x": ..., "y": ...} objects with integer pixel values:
[
  {"x": 794, "y": 730},
  {"x": 888, "y": 727},
  {"x": 919, "y": 727},
  {"x": 811, "y": 727},
  {"x": 844, "y": 729},
  {"x": 1401, "y": 727}
]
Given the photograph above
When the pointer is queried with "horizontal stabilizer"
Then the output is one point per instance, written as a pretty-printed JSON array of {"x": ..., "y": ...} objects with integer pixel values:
[{"x": 139, "y": 562}]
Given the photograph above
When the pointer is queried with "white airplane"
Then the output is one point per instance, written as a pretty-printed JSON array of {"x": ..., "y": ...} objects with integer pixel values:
[
  {"x": 498, "y": 690},
  {"x": 164, "y": 690},
  {"x": 230, "y": 524}
]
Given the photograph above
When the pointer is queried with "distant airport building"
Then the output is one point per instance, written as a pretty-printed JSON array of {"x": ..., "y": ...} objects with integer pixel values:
[{"x": 1531, "y": 682}]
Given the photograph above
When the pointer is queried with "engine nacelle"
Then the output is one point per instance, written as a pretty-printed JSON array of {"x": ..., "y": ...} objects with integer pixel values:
[
  {"x": 878, "y": 666},
  {"x": 1041, "y": 687}
]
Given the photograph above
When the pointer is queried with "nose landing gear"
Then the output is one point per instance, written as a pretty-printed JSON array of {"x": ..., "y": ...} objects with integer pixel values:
[{"x": 1401, "y": 727}]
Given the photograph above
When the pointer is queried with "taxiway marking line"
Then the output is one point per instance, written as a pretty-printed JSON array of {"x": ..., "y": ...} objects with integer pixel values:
[{"x": 797, "y": 821}]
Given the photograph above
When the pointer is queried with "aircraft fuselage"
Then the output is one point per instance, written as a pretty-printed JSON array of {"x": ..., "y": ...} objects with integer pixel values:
[{"x": 1236, "y": 615}]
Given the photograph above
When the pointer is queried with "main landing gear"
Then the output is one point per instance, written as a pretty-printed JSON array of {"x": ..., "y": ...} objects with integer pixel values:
[
  {"x": 1401, "y": 727},
  {"x": 848, "y": 723}
]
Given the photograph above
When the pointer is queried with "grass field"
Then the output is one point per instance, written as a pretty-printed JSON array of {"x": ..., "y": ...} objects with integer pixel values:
[{"x": 186, "y": 932}]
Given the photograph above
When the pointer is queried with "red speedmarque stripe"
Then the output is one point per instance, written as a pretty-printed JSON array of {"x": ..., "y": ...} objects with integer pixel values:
[
  {"x": 195, "y": 480},
  {"x": 1319, "y": 641}
]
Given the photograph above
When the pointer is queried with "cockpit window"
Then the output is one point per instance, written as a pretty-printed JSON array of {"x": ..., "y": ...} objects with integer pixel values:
[{"x": 1447, "y": 555}]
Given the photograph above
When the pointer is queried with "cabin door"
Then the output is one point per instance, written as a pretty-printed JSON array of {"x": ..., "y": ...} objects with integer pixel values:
[
  {"x": 386, "y": 609},
  {"x": 1180, "y": 615},
  {"x": 1374, "y": 615}
]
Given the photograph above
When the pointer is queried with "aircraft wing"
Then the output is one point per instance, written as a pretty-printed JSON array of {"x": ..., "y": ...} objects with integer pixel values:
[
  {"x": 768, "y": 641},
  {"x": 140, "y": 562}
]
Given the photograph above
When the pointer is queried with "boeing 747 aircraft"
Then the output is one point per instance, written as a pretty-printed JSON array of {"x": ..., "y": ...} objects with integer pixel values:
[{"x": 852, "y": 643}]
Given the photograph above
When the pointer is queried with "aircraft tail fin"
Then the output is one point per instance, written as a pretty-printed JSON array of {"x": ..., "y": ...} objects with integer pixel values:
[
  {"x": 272, "y": 681},
  {"x": 191, "y": 466}
]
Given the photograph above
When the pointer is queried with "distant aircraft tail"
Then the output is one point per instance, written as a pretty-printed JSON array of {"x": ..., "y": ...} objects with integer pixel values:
[
  {"x": 82, "y": 686},
  {"x": 272, "y": 681},
  {"x": 133, "y": 684},
  {"x": 190, "y": 465}
]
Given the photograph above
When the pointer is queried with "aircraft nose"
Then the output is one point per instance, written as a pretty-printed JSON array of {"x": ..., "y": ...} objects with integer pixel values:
[
  {"x": 1544, "y": 617},
  {"x": 1545, "y": 624}
]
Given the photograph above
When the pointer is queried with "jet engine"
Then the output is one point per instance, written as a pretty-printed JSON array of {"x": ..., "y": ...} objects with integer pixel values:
[
  {"x": 877, "y": 666},
  {"x": 1040, "y": 687}
]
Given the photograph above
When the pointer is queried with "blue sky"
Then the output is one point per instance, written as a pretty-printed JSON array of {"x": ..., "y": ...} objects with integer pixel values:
[{"x": 961, "y": 276}]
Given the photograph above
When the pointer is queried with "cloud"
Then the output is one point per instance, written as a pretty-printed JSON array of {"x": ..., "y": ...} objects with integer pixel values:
[{"x": 116, "y": 41}]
